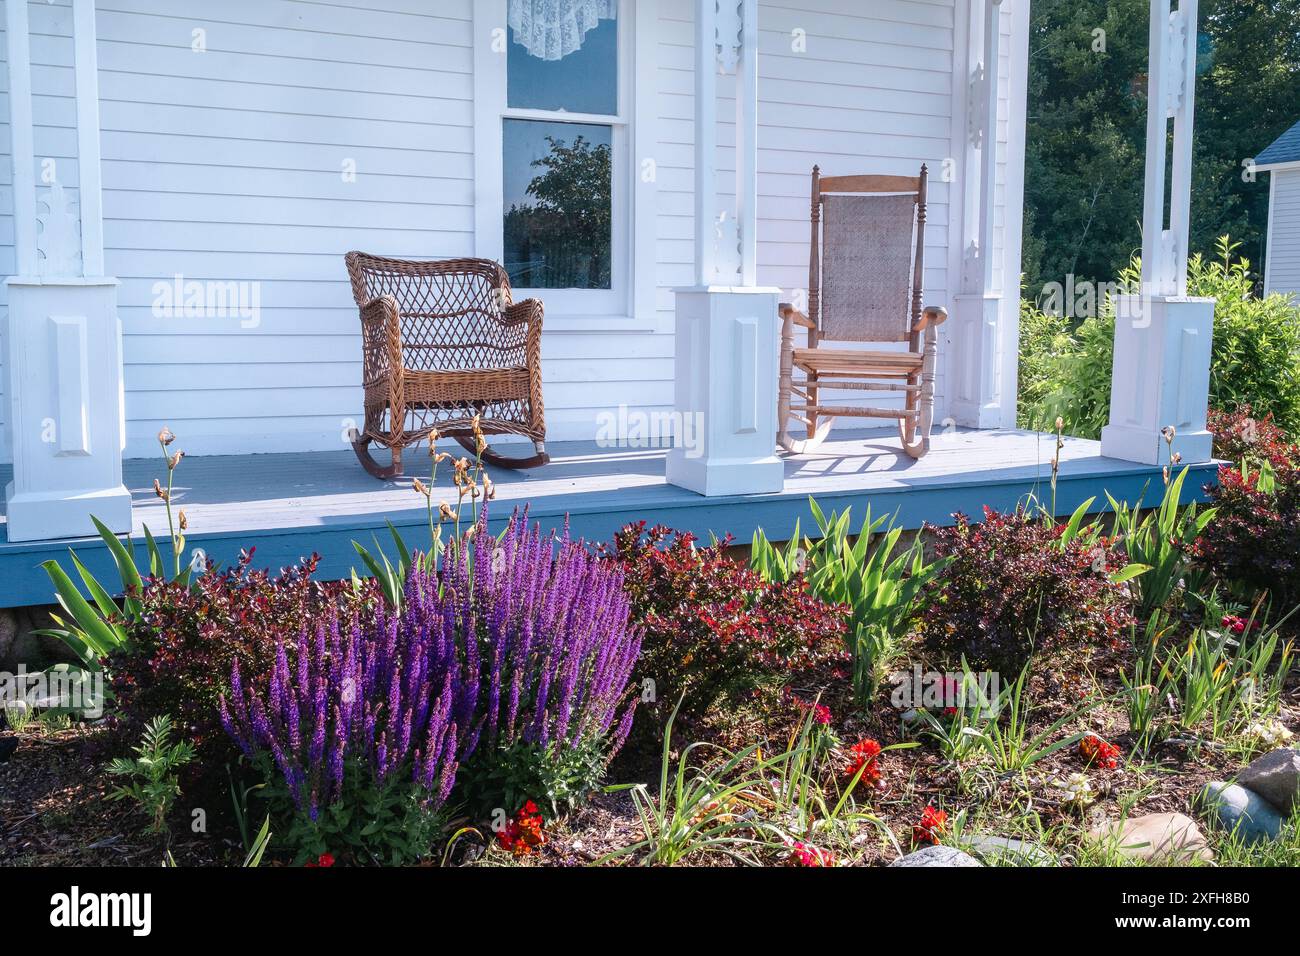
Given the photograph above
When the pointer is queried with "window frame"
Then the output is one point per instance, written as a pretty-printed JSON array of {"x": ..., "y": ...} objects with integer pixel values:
[{"x": 630, "y": 302}]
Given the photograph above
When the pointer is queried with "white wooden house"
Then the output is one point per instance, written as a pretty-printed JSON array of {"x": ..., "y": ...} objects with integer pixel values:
[
  {"x": 187, "y": 175},
  {"x": 1282, "y": 247}
]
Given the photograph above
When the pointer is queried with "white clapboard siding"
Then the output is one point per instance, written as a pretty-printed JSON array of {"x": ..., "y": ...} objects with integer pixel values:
[
  {"x": 226, "y": 165},
  {"x": 1284, "y": 233}
]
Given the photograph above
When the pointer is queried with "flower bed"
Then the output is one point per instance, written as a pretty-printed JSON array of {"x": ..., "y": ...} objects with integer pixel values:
[{"x": 1017, "y": 689}]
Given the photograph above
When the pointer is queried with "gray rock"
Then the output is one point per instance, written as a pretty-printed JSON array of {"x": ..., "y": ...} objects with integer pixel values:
[
  {"x": 937, "y": 856},
  {"x": 1008, "y": 851},
  {"x": 1275, "y": 777},
  {"x": 1235, "y": 808}
]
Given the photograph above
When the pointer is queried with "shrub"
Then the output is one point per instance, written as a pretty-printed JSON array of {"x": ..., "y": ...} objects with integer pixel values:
[
  {"x": 1240, "y": 434},
  {"x": 1070, "y": 371},
  {"x": 1255, "y": 356},
  {"x": 186, "y": 638},
  {"x": 1015, "y": 586},
  {"x": 1043, "y": 337},
  {"x": 713, "y": 627},
  {"x": 511, "y": 652},
  {"x": 1254, "y": 540}
]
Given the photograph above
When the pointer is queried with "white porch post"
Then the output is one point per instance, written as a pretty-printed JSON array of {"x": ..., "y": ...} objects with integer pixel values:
[
  {"x": 726, "y": 331},
  {"x": 1161, "y": 372},
  {"x": 65, "y": 339},
  {"x": 977, "y": 325}
]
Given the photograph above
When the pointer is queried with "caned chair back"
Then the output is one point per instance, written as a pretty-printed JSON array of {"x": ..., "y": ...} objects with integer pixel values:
[
  {"x": 451, "y": 310},
  {"x": 866, "y": 268}
]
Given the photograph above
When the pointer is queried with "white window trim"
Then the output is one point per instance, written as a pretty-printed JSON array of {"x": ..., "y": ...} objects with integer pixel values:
[{"x": 630, "y": 306}]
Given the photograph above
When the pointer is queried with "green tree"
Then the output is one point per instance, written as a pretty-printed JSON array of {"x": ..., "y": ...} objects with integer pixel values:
[
  {"x": 569, "y": 224},
  {"x": 1085, "y": 154}
]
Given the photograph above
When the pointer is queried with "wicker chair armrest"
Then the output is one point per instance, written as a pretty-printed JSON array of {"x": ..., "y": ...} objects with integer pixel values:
[
  {"x": 528, "y": 310},
  {"x": 382, "y": 338},
  {"x": 934, "y": 315},
  {"x": 787, "y": 310}
]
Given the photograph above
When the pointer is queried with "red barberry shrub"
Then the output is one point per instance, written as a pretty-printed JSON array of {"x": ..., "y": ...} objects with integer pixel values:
[
  {"x": 1240, "y": 434},
  {"x": 714, "y": 628},
  {"x": 1013, "y": 589},
  {"x": 1253, "y": 542},
  {"x": 188, "y": 637}
]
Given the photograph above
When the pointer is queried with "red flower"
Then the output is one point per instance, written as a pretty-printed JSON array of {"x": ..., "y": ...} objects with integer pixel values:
[
  {"x": 524, "y": 833},
  {"x": 932, "y": 826},
  {"x": 1098, "y": 751},
  {"x": 805, "y": 854},
  {"x": 324, "y": 860},
  {"x": 1235, "y": 624},
  {"x": 864, "y": 754}
]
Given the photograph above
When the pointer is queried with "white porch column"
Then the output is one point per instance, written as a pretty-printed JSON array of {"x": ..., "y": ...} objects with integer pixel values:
[
  {"x": 726, "y": 331},
  {"x": 65, "y": 339},
  {"x": 976, "y": 326},
  {"x": 1161, "y": 372}
]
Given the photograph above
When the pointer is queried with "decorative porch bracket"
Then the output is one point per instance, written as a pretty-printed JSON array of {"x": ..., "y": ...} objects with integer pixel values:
[
  {"x": 726, "y": 325},
  {"x": 976, "y": 325},
  {"x": 1161, "y": 373},
  {"x": 65, "y": 338}
]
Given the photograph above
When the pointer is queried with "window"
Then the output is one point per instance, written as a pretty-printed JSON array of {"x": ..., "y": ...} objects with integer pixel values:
[{"x": 559, "y": 196}]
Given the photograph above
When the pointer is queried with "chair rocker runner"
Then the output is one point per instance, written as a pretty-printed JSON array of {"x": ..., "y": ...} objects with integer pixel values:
[
  {"x": 443, "y": 342},
  {"x": 864, "y": 285}
]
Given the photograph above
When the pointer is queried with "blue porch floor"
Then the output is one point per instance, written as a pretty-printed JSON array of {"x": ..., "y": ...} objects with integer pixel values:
[{"x": 289, "y": 505}]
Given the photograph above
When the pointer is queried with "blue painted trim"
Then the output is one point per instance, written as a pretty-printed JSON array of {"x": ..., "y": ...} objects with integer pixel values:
[{"x": 23, "y": 582}]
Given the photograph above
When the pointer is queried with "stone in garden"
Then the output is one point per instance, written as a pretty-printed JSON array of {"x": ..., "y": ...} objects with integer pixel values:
[
  {"x": 1275, "y": 777},
  {"x": 1008, "y": 851},
  {"x": 1156, "y": 836},
  {"x": 937, "y": 856},
  {"x": 1235, "y": 808}
]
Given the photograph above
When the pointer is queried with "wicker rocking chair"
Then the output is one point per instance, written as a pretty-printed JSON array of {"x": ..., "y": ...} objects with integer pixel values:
[
  {"x": 443, "y": 342},
  {"x": 864, "y": 285}
]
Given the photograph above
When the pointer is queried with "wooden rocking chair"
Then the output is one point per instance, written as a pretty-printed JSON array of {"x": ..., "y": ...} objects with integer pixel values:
[
  {"x": 443, "y": 342},
  {"x": 864, "y": 285}
]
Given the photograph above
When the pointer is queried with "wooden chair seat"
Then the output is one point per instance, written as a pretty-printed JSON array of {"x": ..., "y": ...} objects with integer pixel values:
[{"x": 857, "y": 362}]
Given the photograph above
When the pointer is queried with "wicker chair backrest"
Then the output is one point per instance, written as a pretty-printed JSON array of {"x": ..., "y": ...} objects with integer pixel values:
[{"x": 451, "y": 309}]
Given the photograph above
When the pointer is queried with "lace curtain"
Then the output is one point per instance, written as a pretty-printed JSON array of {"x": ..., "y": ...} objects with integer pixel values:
[{"x": 552, "y": 29}]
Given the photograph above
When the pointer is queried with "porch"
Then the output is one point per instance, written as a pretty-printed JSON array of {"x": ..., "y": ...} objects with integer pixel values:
[
  {"x": 290, "y": 505},
  {"x": 96, "y": 360}
]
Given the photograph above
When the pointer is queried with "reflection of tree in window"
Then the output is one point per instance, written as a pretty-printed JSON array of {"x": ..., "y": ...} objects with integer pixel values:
[{"x": 562, "y": 239}]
